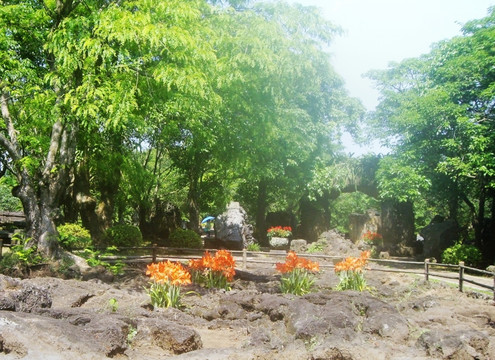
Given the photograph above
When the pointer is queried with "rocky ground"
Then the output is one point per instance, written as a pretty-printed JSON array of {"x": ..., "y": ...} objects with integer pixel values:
[{"x": 401, "y": 317}]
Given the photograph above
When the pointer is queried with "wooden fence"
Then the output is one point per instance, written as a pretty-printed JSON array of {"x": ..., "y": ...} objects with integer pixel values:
[{"x": 460, "y": 273}]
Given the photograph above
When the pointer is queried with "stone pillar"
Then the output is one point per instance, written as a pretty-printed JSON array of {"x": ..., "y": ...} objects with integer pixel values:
[
  {"x": 361, "y": 223},
  {"x": 397, "y": 223}
]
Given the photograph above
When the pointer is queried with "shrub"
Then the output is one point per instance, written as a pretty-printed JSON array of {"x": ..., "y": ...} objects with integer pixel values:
[
  {"x": 253, "y": 247},
  {"x": 20, "y": 258},
  {"x": 470, "y": 254},
  {"x": 123, "y": 236},
  {"x": 317, "y": 247},
  {"x": 73, "y": 236},
  {"x": 181, "y": 238},
  {"x": 93, "y": 259}
]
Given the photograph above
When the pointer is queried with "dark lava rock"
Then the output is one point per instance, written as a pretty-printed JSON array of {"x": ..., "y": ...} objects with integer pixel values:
[
  {"x": 167, "y": 335},
  {"x": 23, "y": 297},
  {"x": 463, "y": 344}
]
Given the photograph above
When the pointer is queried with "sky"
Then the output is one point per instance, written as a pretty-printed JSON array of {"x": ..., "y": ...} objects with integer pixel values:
[{"x": 377, "y": 32}]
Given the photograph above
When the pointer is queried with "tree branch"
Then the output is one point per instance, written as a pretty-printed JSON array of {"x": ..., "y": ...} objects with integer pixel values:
[
  {"x": 468, "y": 203},
  {"x": 10, "y": 144},
  {"x": 54, "y": 147}
]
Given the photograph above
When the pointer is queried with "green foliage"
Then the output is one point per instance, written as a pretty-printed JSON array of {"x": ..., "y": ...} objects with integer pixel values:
[
  {"x": 352, "y": 280},
  {"x": 400, "y": 181},
  {"x": 470, "y": 254},
  {"x": 253, "y": 247},
  {"x": 116, "y": 268},
  {"x": 64, "y": 265},
  {"x": 279, "y": 231},
  {"x": 349, "y": 203},
  {"x": 131, "y": 334},
  {"x": 221, "y": 97},
  {"x": 437, "y": 114},
  {"x": 317, "y": 247},
  {"x": 113, "y": 304},
  {"x": 297, "y": 282},
  {"x": 20, "y": 257},
  {"x": 184, "y": 238},
  {"x": 123, "y": 236},
  {"x": 73, "y": 236},
  {"x": 164, "y": 295},
  {"x": 282, "y": 99},
  {"x": 7, "y": 201},
  {"x": 93, "y": 259}
]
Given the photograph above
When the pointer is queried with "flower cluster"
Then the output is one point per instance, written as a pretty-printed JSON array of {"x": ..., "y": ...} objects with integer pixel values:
[
  {"x": 297, "y": 274},
  {"x": 371, "y": 237},
  {"x": 166, "y": 280},
  {"x": 353, "y": 263},
  {"x": 279, "y": 231},
  {"x": 292, "y": 261},
  {"x": 215, "y": 271},
  {"x": 169, "y": 272},
  {"x": 351, "y": 272}
]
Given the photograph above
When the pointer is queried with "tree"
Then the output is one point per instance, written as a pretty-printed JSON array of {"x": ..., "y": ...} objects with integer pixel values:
[
  {"x": 281, "y": 101},
  {"x": 70, "y": 69},
  {"x": 439, "y": 111}
]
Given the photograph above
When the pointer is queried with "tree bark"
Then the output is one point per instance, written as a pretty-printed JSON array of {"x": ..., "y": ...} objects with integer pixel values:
[
  {"x": 40, "y": 193},
  {"x": 87, "y": 203},
  {"x": 261, "y": 206},
  {"x": 193, "y": 206}
]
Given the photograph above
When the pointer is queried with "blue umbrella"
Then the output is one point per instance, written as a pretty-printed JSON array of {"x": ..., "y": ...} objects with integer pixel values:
[{"x": 208, "y": 218}]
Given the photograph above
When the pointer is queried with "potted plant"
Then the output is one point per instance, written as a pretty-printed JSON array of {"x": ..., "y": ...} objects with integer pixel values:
[{"x": 278, "y": 236}]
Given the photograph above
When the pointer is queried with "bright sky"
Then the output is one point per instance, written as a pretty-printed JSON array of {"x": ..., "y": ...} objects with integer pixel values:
[{"x": 380, "y": 31}]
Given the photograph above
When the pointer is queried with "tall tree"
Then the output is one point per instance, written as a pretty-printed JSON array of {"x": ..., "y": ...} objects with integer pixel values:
[
  {"x": 71, "y": 68},
  {"x": 439, "y": 111},
  {"x": 281, "y": 100}
]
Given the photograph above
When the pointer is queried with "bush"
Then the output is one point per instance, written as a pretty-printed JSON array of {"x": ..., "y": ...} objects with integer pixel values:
[
  {"x": 253, "y": 247},
  {"x": 180, "y": 238},
  {"x": 317, "y": 247},
  {"x": 73, "y": 236},
  {"x": 470, "y": 254},
  {"x": 123, "y": 236},
  {"x": 19, "y": 258}
]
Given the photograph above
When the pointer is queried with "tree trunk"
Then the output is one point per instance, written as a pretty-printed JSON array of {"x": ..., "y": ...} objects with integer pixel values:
[
  {"x": 87, "y": 204},
  {"x": 261, "y": 206},
  {"x": 106, "y": 206},
  {"x": 489, "y": 233},
  {"x": 454, "y": 202},
  {"x": 40, "y": 213},
  {"x": 193, "y": 206},
  {"x": 479, "y": 220}
]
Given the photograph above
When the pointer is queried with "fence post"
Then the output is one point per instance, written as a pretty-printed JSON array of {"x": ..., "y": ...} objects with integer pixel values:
[
  {"x": 154, "y": 252},
  {"x": 461, "y": 275},
  {"x": 427, "y": 265},
  {"x": 244, "y": 259}
]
